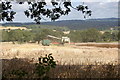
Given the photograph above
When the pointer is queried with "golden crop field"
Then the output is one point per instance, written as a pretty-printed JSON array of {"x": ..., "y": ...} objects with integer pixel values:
[{"x": 64, "y": 55}]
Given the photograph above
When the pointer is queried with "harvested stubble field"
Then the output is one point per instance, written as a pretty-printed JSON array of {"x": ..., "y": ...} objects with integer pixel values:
[
  {"x": 64, "y": 55},
  {"x": 103, "y": 45}
]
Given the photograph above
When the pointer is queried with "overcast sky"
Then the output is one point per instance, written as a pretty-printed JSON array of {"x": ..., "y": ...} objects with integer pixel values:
[{"x": 100, "y": 9}]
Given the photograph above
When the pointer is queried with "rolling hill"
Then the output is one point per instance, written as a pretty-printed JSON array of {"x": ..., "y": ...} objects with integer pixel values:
[{"x": 101, "y": 24}]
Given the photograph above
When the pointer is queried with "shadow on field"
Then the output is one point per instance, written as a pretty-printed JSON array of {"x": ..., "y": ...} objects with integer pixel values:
[{"x": 24, "y": 68}]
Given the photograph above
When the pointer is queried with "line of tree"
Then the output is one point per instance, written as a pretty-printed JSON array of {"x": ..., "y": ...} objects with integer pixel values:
[
  {"x": 93, "y": 35},
  {"x": 24, "y": 36},
  {"x": 36, "y": 35}
]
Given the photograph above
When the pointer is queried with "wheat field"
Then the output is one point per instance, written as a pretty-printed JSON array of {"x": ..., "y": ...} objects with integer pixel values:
[{"x": 64, "y": 55}]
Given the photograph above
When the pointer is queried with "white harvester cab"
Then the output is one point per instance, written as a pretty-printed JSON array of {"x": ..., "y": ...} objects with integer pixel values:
[{"x": 65, "y": 40}]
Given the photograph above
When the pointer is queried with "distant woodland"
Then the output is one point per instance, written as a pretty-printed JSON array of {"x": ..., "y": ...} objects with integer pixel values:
[{"x": 100, "y": 24}]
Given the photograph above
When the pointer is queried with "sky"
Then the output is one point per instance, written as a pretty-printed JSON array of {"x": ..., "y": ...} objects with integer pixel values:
[{"x": 100, "y": 9}]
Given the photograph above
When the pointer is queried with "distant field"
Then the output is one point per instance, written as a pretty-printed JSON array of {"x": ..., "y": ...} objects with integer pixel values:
[
  {"x": 103, "y": 45},
  {"x": 80, "y": 53}
]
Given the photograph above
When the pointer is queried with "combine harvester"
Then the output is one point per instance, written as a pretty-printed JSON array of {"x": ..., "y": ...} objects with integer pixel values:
[{"x": 63, "y": 40}]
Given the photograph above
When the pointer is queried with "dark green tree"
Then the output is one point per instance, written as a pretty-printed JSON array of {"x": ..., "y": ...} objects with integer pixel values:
[
  {"x": 20, "y": 36},
  {"x": 27, "y": 36},
  {"x": 107, "y": 36},
  {"x": 90, "y": 35},
  {"x": 115, "y": 36},
  {"x": 75, "y": 36},
  {"x": 118, "y": 36},
  {"x": 5, "y": 36},
  {"x": 15, "y": 35},
  {"x": 39, "y": 36}
]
